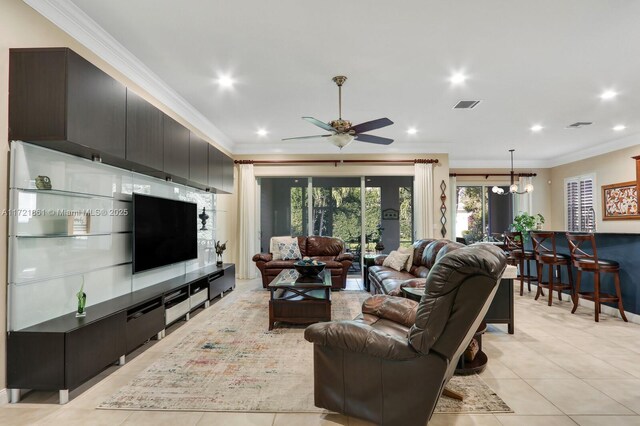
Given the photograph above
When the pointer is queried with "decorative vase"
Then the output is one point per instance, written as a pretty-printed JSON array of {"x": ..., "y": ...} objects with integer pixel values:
[
  {"x": 203, "y": 218},
  {"x": 219, "y": 259},
  {"x": 82, "y": 301}
]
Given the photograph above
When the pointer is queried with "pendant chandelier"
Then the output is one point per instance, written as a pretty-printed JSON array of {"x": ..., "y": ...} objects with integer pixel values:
[{"x": 513, "y": 188}]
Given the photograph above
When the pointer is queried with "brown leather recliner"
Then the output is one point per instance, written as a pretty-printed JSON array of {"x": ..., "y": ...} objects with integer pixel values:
[
  {"x": 326, "y": 249},
  {"x": 391, "y": 364}
]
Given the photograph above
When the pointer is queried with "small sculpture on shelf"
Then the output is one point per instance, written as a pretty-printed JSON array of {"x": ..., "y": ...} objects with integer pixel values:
[
  {"x": 43, "y": 182},
  {"x": 220, "y": 248},
  {"x": 82, "y": 301},
  {"x": 203, "y": 218}
]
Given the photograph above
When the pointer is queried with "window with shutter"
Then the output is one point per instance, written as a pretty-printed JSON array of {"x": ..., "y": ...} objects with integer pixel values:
[{"x": 580, "y": 209}]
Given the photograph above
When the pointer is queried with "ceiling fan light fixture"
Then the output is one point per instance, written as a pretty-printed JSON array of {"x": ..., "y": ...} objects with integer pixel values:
[{"x": 341, "y": 139}]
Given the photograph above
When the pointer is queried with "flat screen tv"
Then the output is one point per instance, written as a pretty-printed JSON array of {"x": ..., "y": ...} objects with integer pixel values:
[{"x": 164, "y": 232}]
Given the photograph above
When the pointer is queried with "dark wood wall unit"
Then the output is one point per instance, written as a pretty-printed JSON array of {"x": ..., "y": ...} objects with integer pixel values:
[
  {"x": 61, "y": 101},
  {"x": 62, "y": 353},
  {"x": 176, "y": 148},
  {"x": 56, "y": 95},
  {"x": 215, "y": 168},
  {"x": 144, "y": 133},
  {"x": 198, "y": 160},
  {"x": 92, "y": 348},
  {"x": 95, "y": 107},
  {"x": 35, "y": 360},
  {"x": 225, "y": 281},
  {"x": 38, "y": 94}
]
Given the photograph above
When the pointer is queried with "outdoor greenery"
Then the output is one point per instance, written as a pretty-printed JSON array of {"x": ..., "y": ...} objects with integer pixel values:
[
  {"x": 471, "y": 198},
  {"x": 406, "y": 216},
  {"x": 336, "y": 212}
]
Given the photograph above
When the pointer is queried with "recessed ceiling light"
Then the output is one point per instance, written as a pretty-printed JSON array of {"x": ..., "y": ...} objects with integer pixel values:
[
  {"x": 457, "y": 78},
  {"x": 262, "y": 132},
  {"x": 536, "y": 128},
  {"x": 412, "y": 130},
  {"x": 608, "y": 94},
  {"x": 225, "y": 81},
  {"x": 619, "y": 127}
]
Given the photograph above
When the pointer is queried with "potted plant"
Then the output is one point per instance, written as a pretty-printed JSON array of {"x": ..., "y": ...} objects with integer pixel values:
[{"x": 524, "y": 222}]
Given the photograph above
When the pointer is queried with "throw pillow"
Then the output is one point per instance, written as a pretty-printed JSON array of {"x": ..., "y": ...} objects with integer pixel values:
[
  {"x": 396, "y": 260},
  {"x": 275, "y": 250},
  {"x": 409, "y": 251},
  {"x": 289, "y": 251}
]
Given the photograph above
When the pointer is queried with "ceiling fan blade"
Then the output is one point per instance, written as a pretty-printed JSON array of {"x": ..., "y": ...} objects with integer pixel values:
[
  {"x": 319, "y": 123},
  {"x": 371, "y": 125},
  {"x": 307, "y": 137},
  {"x": 373, "y": 139}
]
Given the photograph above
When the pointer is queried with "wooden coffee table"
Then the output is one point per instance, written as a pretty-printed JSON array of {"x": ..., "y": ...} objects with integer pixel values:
[{"x": 299, "y": 300}]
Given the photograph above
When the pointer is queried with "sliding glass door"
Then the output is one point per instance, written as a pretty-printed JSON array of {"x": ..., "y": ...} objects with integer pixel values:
[
  {"x": 368, "y": 213},
  {"x": 482, "y": 215}
]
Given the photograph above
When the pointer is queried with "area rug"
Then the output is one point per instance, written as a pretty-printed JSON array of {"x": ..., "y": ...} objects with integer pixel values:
[{"x": 229, "y": 361}]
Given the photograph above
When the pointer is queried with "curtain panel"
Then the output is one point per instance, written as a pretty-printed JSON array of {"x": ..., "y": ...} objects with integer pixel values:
[
  {"x": 247, "y": 222},
  {"x": 423, "y": 200}
]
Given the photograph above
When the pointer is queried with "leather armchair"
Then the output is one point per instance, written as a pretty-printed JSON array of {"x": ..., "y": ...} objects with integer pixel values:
[
  {"x": 326, "y": 249},
  {"x": 391, "y": 364}
]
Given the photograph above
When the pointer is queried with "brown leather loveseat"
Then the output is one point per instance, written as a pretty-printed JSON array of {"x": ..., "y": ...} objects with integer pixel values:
[
  {"x": 390, "y": 365},
  {"x": 326, "y": 249},
  {"x": 425, "y": 254}
]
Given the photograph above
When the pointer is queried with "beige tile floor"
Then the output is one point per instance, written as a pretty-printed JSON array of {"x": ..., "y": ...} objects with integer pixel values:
[{"x": 557, "y": 369}]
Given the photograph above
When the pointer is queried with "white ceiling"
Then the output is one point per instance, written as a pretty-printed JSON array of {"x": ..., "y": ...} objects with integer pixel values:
[{"x": 529, "y": 62}]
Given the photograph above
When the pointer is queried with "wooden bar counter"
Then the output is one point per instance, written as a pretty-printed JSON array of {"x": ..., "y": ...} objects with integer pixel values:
[{"x": 624, "y": 248}]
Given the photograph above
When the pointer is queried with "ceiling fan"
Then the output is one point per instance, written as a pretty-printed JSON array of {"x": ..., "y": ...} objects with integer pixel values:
[{"x": 342, "y": 132}]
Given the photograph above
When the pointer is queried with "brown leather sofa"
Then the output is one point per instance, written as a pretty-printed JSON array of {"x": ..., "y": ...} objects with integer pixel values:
[
  {"x": 390, "y": 365},
  {"x": 425, "y": 254},
  {"x": 326, "y": 249}
]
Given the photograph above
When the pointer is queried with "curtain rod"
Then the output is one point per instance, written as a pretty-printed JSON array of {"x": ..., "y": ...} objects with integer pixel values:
[
  {"x": 486, "y": 175},
  {"x": 336, "y": 162}
]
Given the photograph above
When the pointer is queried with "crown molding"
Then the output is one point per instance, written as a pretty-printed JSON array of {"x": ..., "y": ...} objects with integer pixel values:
[
  {"x": 72, "y": 20},
  {"x": 592, "y": 151}
]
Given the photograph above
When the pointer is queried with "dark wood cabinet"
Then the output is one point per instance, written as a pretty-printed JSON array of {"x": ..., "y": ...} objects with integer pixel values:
[
  {"x": 215, "y": 168},
  {"x": 501, "y": 310},
  {"x": 224, "y": 281},
  {"x": 92, "y": 348},
  {"x": 61, "y": 101},
  {"x": 144, "y": 133},
  {"x": 198, "y": 160},
  {"x": 62, "y": 353},
  {"x": 176, "y": 148}
]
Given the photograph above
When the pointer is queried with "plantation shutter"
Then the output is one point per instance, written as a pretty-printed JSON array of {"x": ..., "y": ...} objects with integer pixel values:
[{"x": 580, "y": 204}]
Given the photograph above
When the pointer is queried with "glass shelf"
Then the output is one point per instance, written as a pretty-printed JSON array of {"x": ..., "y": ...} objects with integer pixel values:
[
  {"x": 70, "y": 235},
  {"x": 65, "y": 193}
]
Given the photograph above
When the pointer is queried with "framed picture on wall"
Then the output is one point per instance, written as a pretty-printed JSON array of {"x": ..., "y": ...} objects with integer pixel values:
[
  {"x": 78, "y": 224},
  {"x": 620, "y": 201}
]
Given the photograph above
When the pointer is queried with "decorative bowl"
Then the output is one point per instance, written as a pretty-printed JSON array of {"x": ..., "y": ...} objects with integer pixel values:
[{"x": 309, "y": 269}]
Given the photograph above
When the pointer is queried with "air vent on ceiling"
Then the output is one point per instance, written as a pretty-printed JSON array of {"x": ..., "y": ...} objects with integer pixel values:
[
  {"x": 466, "y": 104},
  {"x": 579, "y": 124}
]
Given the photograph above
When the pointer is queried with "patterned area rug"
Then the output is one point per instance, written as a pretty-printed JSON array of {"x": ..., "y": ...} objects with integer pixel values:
[{"x": 229, "y": 361}]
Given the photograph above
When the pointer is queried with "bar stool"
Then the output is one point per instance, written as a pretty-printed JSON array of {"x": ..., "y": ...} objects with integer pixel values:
[
  {"x": 550, "y": 257},
  {"x": 520, "y": 257},
  {"x": 586, "y": 262}
]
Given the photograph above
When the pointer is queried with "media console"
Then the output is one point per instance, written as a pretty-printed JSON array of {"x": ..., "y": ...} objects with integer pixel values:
[{"x": 62, "y": 353}]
